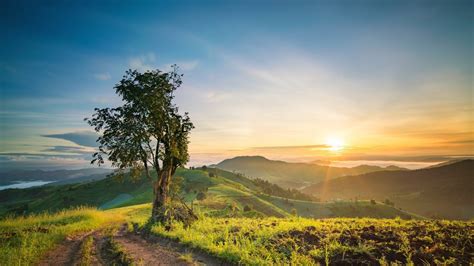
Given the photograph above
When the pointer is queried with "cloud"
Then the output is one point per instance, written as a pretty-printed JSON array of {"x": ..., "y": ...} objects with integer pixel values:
[
  {"x": 68, "y": 149},
  {"x": 83, "y": 138},
  {"x": 463, "y": 141},
  {"x": 148, "y": 62},
  {"x": 40, "y": 161},
  {"x": 318, "y": 146},
  {"x": 143, "y": 63},
  {"x": 216, "y": 96},
  {"x": 182, "y": 65},
  {"x": 188, "y": 65},
  {"x": 102, "y": 76},
  {"x": 31, "y": 155}
]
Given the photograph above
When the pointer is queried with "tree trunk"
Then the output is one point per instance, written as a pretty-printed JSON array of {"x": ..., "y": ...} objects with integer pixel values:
[{"x": 161, "y": 197}]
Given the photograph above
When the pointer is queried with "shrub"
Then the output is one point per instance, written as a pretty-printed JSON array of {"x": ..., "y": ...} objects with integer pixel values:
[
  {"x": 388, "y": 202},
  {"x": 373, "y": 202},
  {"x": 201, "y": 195},
  {"x": 247, "y": 208},
  {"x": 294, "y": 212}
]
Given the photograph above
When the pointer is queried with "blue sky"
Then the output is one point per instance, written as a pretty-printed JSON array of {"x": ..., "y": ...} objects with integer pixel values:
[{"x": 377, "y": 75}]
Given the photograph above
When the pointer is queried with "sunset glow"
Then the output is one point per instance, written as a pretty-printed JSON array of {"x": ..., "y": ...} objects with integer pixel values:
[
  {"x": 256, "y": 89},
  {"x": 335, "y": 144}
]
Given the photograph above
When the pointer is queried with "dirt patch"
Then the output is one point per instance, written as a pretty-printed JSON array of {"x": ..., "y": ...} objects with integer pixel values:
[
  {"x": 67, "y": 253},
  {"x": 426, "y": 243},
  {"x": 146, "y": 253}
]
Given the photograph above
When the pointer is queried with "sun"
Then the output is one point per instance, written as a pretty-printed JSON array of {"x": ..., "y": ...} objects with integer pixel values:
[{"x": 335, "y": 143}]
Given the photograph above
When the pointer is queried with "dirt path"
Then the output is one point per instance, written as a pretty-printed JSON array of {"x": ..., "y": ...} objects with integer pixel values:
[
  {"x": 137, "y": 249},
  {"x": 67, "y": 253},
  {"x": 147, "y": 253}
]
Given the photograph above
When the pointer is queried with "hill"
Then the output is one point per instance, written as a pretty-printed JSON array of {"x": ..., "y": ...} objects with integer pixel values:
[
  {"x": 85, "y": 236},
  {"x": 216, "y": 192},
  {"x": 291, "y": 175},
  {"x": 444, "y": 191}
]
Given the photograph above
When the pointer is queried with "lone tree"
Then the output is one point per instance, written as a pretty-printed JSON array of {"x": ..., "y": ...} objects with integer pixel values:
[{"x": 147, "y": 131}]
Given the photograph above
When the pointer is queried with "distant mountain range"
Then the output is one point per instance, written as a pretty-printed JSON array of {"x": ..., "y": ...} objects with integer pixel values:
[
  {"x": 444, "y": 191},
  {"x": 57, "y": 176},
  {"x": 293, "y": 175}
]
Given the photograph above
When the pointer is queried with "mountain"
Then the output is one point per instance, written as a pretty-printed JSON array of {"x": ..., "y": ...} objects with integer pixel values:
[
  {"x": 63, "y": 176},
  {"x": 444, "y": 191},
  {"x": 291, "y": 175},
  {"x": 450, "y": 162},
  {"x": 225, "y": 195}
]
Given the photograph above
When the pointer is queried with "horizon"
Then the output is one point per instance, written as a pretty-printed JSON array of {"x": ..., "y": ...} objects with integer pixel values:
[{"x": 342, "y": 82}]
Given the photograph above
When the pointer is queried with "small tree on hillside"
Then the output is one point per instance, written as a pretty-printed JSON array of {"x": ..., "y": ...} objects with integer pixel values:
[{"x": 146, "y": 131}]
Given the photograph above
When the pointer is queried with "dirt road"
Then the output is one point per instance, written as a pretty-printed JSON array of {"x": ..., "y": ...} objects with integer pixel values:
[{"x": 123, "y": 248}]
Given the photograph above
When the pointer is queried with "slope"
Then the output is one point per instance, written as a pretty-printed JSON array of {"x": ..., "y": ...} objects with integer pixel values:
[
  {"x": 214, "y": 192},
  {"x": 444, "y": 191},
  {"x": 290, "y": 175}
]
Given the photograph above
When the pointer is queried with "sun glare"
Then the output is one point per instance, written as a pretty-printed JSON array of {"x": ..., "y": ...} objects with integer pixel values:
[{"x": 335, "y": 144}]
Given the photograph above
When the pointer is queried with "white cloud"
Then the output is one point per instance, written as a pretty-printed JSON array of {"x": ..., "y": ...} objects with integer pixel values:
[
  {"x": 188, "y": 65},
  {"x": 216, "y": 96},
  {"x": 183, "y": 65},
  {"x": 143, "y": 62},
  {"x": 148, "y": 62},
  {"x": 102, "y": 76}
]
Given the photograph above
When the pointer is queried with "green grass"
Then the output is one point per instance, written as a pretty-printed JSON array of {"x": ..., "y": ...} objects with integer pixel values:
[
  {"x": 24, "y": 240},
  {"x": 255, "y": 241},
  {"x": 86, "y": 251},
  {"x": 223, "y": 190},
  {"x": 55, "y": 198},
  {"x": 301, "y": 241},
  {"x": 342, "y": 209}
]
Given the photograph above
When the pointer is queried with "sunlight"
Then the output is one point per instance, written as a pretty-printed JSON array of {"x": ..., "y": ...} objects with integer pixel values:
[{"x": 335, "y": 143}]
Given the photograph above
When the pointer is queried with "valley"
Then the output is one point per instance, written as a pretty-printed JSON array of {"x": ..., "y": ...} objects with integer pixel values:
[{"x": 225, "y": 195}]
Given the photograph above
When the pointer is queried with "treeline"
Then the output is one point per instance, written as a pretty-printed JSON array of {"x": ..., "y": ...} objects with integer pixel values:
[
  {"x": 276, "y": 190},
  {"x": 263, "y": 185}
]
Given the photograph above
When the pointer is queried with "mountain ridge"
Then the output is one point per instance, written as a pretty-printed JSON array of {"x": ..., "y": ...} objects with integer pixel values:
[
  {"x": 290, "y": 174},
  {"x": 444, "y": 191}
]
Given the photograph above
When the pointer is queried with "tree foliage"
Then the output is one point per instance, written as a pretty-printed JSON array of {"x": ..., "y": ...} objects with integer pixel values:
[{"x": 147, "y": 130}]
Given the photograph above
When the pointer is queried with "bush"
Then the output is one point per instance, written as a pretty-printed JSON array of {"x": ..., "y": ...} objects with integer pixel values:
[
  {"x": 294, "y": 212},
  {"x": 247, "y": 208},
  {"x": 389, "y": 203},
  {"x": 373, "y": 202},
  {"x": 201, "y": 195}
]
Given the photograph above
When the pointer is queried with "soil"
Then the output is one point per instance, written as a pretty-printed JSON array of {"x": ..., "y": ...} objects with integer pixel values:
[
  {"x": 67, "y": 253},
  {"x": 140, "y": 248}
]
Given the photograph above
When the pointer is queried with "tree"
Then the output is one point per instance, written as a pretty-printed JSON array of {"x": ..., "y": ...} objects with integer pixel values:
[{"x": 146, "y": 131}]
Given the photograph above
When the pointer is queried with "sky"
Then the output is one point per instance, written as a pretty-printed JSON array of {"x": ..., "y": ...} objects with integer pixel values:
[{"x": 387, "y": 82}]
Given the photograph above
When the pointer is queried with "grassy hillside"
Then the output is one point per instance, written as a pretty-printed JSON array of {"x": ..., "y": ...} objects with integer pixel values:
[
  {"x": 25, "y": 239},
  {"x": 300, "y": 241},
  {"x": 225, "y": 195},
  {"x": 53, "y": 198},
  {"x": 263, "y": 241},
  {"x": 444, "y": 191},
  {"x": 290, "y": 175}
]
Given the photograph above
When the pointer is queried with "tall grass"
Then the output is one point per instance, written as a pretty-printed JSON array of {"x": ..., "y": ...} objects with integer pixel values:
[
  {"x": 300, "y": 241},
  {"x": 24, "y": 240}
]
